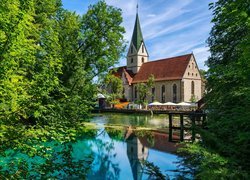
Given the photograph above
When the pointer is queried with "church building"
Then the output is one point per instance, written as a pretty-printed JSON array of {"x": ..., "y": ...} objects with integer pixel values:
[{"x": 177, "y": 79}]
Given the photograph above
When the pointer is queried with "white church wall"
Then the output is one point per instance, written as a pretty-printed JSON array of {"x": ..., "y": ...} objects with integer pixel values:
[
  {"x": 188, "y": 89},
  {"x": 169, "y": 94}
]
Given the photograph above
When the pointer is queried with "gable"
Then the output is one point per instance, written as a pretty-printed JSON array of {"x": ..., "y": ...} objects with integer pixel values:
[
  {"x": 125, "y": 75},
  {"x": 192, "y": 70},
  {"x": 165, "y": 69}
]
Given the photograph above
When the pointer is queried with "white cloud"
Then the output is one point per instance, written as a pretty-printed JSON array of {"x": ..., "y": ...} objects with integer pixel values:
[
  {"x": 201, "y": 55},
  {"x": 170, "y": 28},
  {"x": 151, "y": 15},
  {"x": 170, "y": 12}
]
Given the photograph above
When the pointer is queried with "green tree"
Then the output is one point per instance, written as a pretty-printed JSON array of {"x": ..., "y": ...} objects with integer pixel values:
[
  {"x": 227, "y": 139},
  {"x": 49, "y": 58},
  {"x": 114, "y": 89},
  {"x": 228, "y": 97},
  {"x": 144, "y": 90},
  {"x": 91, "y": 44}
]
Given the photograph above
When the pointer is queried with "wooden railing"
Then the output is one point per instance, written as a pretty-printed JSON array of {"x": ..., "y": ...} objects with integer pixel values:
[{"x": 187, "y": 122}]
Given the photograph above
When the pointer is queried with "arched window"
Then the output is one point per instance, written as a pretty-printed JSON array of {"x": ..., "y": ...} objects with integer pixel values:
[
  {"x": 192, "y": 88},
  {"x": 153, "y": 94},
  {"x": 192, "y": 65},
  {"x": 163, "y": 93},
  {"x": 131, "y": 49},
  {"x": 174, "y": 93},
  {"x": 135, "y": 92},
  {"x": 132, "y": 60},
  {"x": 142, "y": 49},
  {"x": 142, "y": 59}
]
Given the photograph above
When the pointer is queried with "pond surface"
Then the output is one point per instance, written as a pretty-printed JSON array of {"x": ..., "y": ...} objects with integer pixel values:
[
  {"x": 156, "y": 121},
  {"x": 129, "y": 148},
  {"x": 121, "y": 148}
]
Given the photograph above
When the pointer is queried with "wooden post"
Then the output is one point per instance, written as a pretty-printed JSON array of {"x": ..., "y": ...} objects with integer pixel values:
[
  {"x": 170, "y": 136},
  {"x": 181, "y": 128}
]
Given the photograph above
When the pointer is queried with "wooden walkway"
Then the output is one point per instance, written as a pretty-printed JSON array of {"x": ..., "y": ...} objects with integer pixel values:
[
  {"x": 184, "y": 123},
  {"x": 188, "y": 122}
]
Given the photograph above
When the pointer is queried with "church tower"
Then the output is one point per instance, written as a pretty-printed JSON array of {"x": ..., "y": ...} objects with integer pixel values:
[{"x": 137, "y": 52}]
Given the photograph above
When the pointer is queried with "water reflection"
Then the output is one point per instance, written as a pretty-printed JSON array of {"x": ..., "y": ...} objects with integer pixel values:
[
  {"x": 157, "y": 121},
  {"x": 111, "y": 153},
  {"x": 136, "y": 153},
  {"x": 128, "y": 149}
]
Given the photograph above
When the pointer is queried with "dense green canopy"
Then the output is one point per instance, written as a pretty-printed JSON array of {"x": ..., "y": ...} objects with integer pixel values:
[
  {"x": 48, "y": 60},
  {"x": 50, "y": 56},
  {"x": 224, "y": 152}
]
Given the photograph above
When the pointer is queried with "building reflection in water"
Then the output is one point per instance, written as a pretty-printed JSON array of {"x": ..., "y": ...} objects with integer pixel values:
[
  {"x": 136, "y": 153},
  {"x": 138, "y": 148}
]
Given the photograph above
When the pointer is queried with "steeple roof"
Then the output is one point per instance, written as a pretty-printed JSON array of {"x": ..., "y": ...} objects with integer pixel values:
[{"x": 137, "y": 38}]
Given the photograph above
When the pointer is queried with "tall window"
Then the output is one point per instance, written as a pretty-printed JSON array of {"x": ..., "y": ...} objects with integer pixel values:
[
  {"x": 131, "y": 49},
  {"x": 163, "y": 93},
  {"x": 174, "y": 93},
  {"x": 142, "y": 59},
  {"x": 153, "y": 94},
  {"x": 135, "y": 92},
  {"x": 142, "y": 49},
  {"x": 132, "y": 60},
  {"x": 192, "y": 88}
]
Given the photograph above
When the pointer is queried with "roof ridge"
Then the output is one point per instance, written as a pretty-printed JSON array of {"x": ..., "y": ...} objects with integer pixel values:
[
  {"x": 168, "y": 58},
  {"x": 171, "y": 68}
]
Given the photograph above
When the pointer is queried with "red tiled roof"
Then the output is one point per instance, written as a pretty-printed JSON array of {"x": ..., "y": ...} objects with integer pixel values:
[
  {"x": 161, "y": 142},
  {"x": 128, "y": 73},
  {"x": 164, "y": 69},
  {"x": 160, "y": 139}
]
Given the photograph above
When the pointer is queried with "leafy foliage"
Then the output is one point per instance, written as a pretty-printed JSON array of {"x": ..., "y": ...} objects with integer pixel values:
[
  {"x": 49, "y": 58},
  {"x": 153, "y": 171},
  {"x": 144, "y": 90},
  {"x": 114, "y": 88},
  {"x": 224, "y": 151},
  {"x": 228, "y": 80}
]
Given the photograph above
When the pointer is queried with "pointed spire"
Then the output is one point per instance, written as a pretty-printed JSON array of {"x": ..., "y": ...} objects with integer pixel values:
[{"x": 137, "y": 38}]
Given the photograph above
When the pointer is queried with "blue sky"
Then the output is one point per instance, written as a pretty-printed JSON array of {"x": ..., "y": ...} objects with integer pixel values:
[{"x": 170, "y": 27}]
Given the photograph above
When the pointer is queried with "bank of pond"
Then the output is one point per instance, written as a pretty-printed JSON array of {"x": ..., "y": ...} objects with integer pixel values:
[{"x": 117, "y": 146}]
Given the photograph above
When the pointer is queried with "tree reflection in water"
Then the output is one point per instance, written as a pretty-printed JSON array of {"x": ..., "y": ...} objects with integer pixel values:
[{"x": 104, "y": 166}]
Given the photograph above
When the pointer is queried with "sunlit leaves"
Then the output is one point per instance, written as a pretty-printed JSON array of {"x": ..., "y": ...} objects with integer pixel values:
[{"x": 228, "y": 85}]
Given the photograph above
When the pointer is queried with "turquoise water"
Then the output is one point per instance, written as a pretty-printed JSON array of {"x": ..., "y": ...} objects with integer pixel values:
[
  {"x": 113, "y": 153},
  {"x": 121, "y": 159}
]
